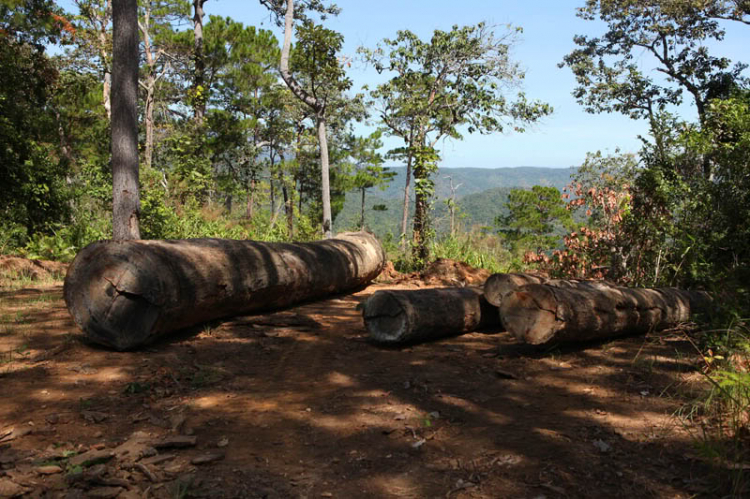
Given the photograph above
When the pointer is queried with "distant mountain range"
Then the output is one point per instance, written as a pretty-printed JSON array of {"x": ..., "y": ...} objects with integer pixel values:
[{"x": 481, "y": 194}]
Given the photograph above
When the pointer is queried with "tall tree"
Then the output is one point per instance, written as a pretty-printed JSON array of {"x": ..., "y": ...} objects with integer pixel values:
[
  {"x": 126, "y": 194},
  {"x": 673, "y": 34},
  {"x": 368, "y": 168},
  {"x": 155, "y": 23},
  {"x": 97, "y": 18},
  {"x": 322, "y": 44},
  {"x": 533, "y": 215},
  {"x": 457, "y": 79},
  {"x": 199, "y": 91}
]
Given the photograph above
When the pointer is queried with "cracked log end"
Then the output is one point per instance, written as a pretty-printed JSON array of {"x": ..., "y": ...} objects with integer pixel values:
[
  {"x": 126, "y": 294},
  {"x": 113, "y": 296},
  {"x": 386, "y": 318},
  {"x": 530, "y": 317},
  {"x": 410, "y": 316}
]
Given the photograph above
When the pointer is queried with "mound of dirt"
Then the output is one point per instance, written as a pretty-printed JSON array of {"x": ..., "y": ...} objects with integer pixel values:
[
  {"x": 447, "y": 272},
  {"x": 14, "y": 267},
  {"x": 389, "y": 274}
]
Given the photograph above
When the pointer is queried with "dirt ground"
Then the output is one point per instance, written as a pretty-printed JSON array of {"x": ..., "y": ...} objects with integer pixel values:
[{"x": 299, "y": 404}]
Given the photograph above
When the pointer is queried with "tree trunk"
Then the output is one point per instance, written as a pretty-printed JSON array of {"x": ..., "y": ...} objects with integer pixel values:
[
  {"x": 317, "y": 106},
  {"x": 539, "y": 313},
  {"x": 126, "y": 195},
  {"x": 408, "y": 316},
  {"x": 103, "y": 21},
  {"x": 288, "y": 208},
  {"x": 362, "y": 211},
  {"x": 420, "y": 249},
  {"x": 199, "y": 83},
  {"x": 325, "y": 178},
  {"x": 405, "y": 214},
  {"x": 125, "y": 294}
]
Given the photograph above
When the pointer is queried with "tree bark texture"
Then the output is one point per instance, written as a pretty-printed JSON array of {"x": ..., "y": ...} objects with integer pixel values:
[
  {"x": 125, "y": 195},
  {"x": 540, "y": 313},
  {"x": 394, "y": 317},
  {"x": 126, "y": 294},
  {"x": 499, "y": 285}
]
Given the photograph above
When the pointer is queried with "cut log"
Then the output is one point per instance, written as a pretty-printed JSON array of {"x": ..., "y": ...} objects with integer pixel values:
[
  {"x": 410, "y": 316},
  {"x": 541, "y": 313},
  {"x": 126, "y": 294},
  {"x": 499, "y": 285}
]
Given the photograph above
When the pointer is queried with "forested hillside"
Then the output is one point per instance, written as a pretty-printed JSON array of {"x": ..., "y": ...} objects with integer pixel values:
[{"x": 480, "y": 193}]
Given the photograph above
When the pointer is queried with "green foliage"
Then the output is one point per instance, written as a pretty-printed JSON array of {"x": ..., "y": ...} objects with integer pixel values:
[
  {"x": 454, "y": 81},
  {"x": 478, "y": 250},
  {"x": 533, "y": 216}
]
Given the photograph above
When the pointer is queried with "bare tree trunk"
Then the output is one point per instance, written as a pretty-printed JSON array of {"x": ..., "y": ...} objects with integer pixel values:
[
  {"x": 362, "y": 211},
  {"x": 125, "y": 294},
  {"x": 325, "y": 178},
  {"x": 150, "y": 85},
  {"x": 405, "y": 214},
  {"x": 126, "y": 195},
  {"x": 408, "y": 316},
  {"x": 199, "y": 83},
  {"x": 539, "y": 313},
  {"x": 107, "y": 79},
  {"x": 289, "y": 209},
  {"x": 315, "y": 105}
]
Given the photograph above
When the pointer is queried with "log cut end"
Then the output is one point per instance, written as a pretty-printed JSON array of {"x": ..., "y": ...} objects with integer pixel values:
[
  {"x": 112, "y": 296},
  {"x": 530, "y": 314},
  {"x": 386, "y": 318},
  {"x": 498, "y": 286}
]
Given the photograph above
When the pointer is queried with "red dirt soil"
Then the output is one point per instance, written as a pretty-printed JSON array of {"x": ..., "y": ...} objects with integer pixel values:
[{"x": 297, "y": 403}]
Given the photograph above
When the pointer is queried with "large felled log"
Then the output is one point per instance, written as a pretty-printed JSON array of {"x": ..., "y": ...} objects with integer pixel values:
[
  {"x": 410, "y": 316},
  {"x": 540, "y": 313},
  {"x": 125, "y": 294}
]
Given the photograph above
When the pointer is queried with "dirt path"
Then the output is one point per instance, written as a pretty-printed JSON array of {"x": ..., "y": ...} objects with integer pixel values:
[{"x": 298, "y": 404}]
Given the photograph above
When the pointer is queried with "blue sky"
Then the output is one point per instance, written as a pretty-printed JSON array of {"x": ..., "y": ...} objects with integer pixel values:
[{"x": 562, "y": 139}]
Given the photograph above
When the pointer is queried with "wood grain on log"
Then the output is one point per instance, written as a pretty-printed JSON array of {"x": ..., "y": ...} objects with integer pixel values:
[
  {"x": 126, "y": 294},
  {"x": 541, "y": 313},
  {"x": 409, "y": 316}
]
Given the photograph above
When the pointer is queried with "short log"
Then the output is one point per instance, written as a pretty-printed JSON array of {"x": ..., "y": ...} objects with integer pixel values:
[
  {"x": 126, "y": 294},
  {"x": 541, "y": 313},
  {"x": 394, "y": 317}
]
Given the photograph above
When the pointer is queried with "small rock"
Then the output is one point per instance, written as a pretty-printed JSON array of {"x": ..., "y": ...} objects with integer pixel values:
[
  {"x": 207, "y": 458},
  {"x": 602, "y": 446},
  {"x": 326, "y": 494},
  {"x": 94, "y": 416},
  {"x": 9, "y": 488},
  {"x": 49, "y": 470},
  {"x": 223, "y": 442},
  {"x": 177, "y": 422}
]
